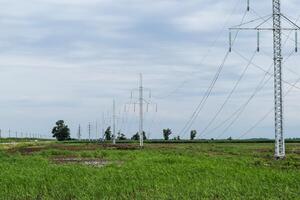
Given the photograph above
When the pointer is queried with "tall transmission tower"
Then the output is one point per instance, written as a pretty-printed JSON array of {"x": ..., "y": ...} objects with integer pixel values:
[
  {"x": 141, "y": 102},
  {"x": 79, "y": 132},
  {"x": 114, "y": 122},
  {"x": 103, "y": 126},
  {"x": 89, "y": 131},
  {"x": 277, "y": 29},
  {"x": 96, "y": 130},
  {"x": 277, "y": 40},
  {"x": 141, "y": 99}
]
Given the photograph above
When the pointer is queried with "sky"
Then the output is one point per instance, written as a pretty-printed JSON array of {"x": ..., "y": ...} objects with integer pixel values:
[{"x": 68, "y": 59}]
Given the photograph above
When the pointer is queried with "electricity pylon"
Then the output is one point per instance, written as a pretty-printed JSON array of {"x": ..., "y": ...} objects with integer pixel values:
[
  {"x": 79, "y": 132},
  {"x": 141, "y": 102},
  {"x": 96, "y": 129},
  {"x": 277, "y": 29},
  {"x": 114, "y": 122},
  {"x": 89, "y": 131}
]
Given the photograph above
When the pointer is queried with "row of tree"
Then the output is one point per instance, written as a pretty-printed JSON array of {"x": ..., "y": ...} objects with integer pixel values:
[
  {"x": 61, "y": 132},
  {"x": 166, "y": 135}
]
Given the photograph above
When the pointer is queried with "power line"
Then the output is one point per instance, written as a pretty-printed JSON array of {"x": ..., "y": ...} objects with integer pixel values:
[
  {"x": 258, "y": 87},
  {"x": 208, "y": 51},
  {"x": 209, "y": 89},
  {"x": 269, "y": 73},
  {"x": 277, "y": 30},
  {"x": 266, "y": 115},
  {"x": 257, "y": 14},
  {"x": 230, "y": 95},
  {"x": 241, "y": 110},
  {"x": 205, "y": 97}
]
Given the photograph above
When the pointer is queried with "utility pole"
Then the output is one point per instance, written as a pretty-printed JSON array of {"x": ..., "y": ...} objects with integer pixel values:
[
  {"x": 141, "y": 103},
  {"x": 89, "y": 130},
  {"x": 103, "y": 126},
  {"x": 141, "y": 121},
  {"x": 79, "y": 132},
  {"x": 8, "y": 133},
  {"x": 114, "y": 122},
  {"x": 277, "y": 29},
  {"x": 96, "y": 130}
]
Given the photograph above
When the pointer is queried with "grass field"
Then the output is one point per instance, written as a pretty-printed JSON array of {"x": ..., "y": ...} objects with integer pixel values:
[{"x": 160, "y": 171}]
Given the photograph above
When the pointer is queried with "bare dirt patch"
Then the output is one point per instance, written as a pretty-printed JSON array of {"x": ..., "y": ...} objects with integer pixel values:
[
  {"x": 82, "y": 161},
  {"x": 89, "y": 147},
  {"x": 162, "y": 146},
  {"x": 121, "y": 146},
  {"x": 84, "y": 147},
  {"x": 27, "y": 150},
  {"x": 263, "y": 150},
  {"x": 295, "y": 151}
]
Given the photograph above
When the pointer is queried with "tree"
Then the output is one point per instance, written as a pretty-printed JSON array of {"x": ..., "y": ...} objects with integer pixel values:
[
  {"x": 107, "y": 133},
  {"x": 121, "y": 136},
  {"x": 61, "y": 131},
  {"x": 177, "y": 138},
  {"x": 137, "y": 136},
  {"x": 167, "y": 133},
  {"x": 193, "y": 134}
]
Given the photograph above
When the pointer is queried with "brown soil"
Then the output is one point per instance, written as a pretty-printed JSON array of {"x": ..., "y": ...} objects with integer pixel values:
[
  {"x": 121, "y": 146},
  {"x": 263, "y": 150},
  {"x": 83, "y": 161},
  {"x": 297, "y": 151},
  {"x": 86, "y": 147},
  {"x": 27, "y": 150}
]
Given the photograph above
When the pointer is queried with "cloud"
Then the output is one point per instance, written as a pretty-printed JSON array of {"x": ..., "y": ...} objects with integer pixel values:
[{"x": 68, "y": 59}]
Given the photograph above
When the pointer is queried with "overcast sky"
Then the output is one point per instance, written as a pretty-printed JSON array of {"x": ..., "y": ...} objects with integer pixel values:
[{"x": 68, "y": 59}]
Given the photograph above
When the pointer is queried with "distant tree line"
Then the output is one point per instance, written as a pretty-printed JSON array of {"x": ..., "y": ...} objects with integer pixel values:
[{"x": 61, "y": 132}]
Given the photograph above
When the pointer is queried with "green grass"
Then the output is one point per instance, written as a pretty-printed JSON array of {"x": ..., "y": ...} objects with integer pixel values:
[{"x": 160, "y": 171}]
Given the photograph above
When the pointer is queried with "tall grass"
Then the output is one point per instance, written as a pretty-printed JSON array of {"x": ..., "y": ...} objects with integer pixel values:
[{"x": 169, "y": 171}]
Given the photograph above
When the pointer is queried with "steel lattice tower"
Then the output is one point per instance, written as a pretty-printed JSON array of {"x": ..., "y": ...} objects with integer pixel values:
[
  {"x": 277, "y": 42},
  {"x": 141, "y": 102},
  {"x": 277, "y": 29},
  {"x": 141, "y": 105}
]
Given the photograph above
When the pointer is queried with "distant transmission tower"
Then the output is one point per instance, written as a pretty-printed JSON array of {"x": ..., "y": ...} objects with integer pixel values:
[
  {"x": 114, "y": 122},
  {"x": 277, "y": 29},
  {"x": 79, "y": 132},
  {"x": 141, "y": 102},
  {"x": 96, "y": 129},
  {"x": 89, "y": 131},
  {"x": 103, "y": 126}
]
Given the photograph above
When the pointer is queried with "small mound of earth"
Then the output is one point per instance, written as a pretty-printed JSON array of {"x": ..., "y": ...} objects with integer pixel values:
[
  {"x": 83, "y": 161},
  {"x": 296, "y": 151},
  {"x": 121, "y": 146}
]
